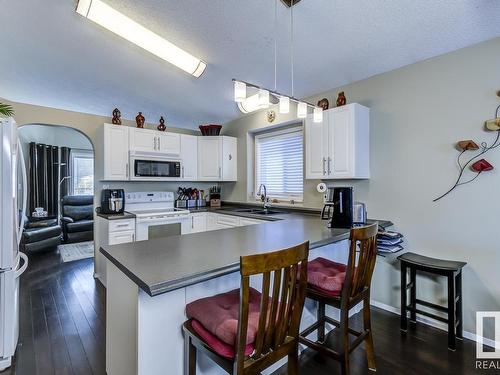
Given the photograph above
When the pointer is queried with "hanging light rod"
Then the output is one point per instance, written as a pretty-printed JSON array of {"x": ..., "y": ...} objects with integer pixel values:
[{"x": 276, "y": 93}]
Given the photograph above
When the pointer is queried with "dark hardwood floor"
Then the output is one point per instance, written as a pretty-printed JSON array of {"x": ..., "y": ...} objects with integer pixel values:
[{"x": 62, "y": 331}]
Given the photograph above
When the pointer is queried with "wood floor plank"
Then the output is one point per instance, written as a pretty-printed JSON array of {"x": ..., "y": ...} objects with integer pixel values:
[{"x": 43, "y": 356}]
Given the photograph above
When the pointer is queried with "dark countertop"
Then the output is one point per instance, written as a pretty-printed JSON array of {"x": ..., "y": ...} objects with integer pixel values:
[
  {"x": 125, "y": 215},
  {"x": 164, "y": 264}
]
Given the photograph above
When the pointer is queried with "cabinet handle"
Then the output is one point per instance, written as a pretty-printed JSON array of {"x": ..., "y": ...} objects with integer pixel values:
[
  {"x": 220, "y": 172},
  {"x": 159, "y": 143},
  {"x": 192, "y": 222},
  {"x": 126, "y": 171},
  {"x": 122, "y": 225},
  {"x": 133, "y": 237},
  {"x": 329, "y": 167},
  {"x": 155, "y": 144},
  {"x": 324, "y": 166},
  {"x": 182, "y": 171}
]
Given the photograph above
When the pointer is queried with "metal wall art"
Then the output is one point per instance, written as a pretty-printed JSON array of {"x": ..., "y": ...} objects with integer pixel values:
[{"x": 475, "y": 162}]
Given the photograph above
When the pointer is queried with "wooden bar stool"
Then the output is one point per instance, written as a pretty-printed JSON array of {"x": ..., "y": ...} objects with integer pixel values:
[
  {"x": 245, "y": 331},
  {"x": 453, "y": 272},
  {"x": 343, "y": 287}
]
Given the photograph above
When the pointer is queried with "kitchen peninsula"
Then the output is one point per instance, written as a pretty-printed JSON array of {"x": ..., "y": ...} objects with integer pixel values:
[{"x": 150, "y": 282}]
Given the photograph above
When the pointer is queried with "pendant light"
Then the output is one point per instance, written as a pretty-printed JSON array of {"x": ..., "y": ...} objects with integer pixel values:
[
  {"x": 284, "y": 104},
  {"x": 302, "y": 110},
  {"x": 240, "y": 91}
]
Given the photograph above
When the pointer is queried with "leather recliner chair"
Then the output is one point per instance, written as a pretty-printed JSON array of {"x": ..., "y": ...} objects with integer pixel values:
[
  {"x": 78, "y": 218},
  {"x": 41, "y": 235}
]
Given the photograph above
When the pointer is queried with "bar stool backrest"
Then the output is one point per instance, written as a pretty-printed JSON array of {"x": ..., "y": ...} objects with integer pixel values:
[
  {"x": 361, "y": 263},
  {"x": 284, "y": 281}
]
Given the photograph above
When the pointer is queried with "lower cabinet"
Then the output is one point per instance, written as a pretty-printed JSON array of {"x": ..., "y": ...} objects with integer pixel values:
[
  {"x": 111, "y": 232},
  {"x": 208, "y": 221}
]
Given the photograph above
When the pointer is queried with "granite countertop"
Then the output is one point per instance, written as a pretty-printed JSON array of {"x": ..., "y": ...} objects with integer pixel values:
[{"x": 164, "y": 264}]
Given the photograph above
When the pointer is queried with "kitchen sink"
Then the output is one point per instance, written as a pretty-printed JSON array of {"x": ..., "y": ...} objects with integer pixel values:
[{"x": 259, "y": 211}]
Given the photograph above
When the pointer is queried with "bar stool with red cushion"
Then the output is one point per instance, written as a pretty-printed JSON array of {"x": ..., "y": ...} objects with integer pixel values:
[
  {"x": 245, "y": 331},
  {"x": 343, "y": 287}
]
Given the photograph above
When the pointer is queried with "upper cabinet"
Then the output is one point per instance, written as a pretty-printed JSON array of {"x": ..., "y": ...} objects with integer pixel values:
[
  {"x": 189, "y": 157},
  {"x": 116, "y": 140},
  {"x": 146, "y": 140},
  {"x": 339, "y": 147},
  {"x": 217, "y": 158}
]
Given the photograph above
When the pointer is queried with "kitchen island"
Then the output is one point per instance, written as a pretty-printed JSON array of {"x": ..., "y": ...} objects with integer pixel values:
[{"x": 150, "y": 282}]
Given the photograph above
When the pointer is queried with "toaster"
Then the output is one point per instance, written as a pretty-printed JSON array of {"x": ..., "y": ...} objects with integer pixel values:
[{"x": 359, "y": 213}]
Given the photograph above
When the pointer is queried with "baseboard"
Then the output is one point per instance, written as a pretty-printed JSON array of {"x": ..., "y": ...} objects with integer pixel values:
[{"x": 431, "y": 322}]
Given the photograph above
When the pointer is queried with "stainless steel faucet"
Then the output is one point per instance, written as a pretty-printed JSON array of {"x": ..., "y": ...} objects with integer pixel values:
[{"x": 263, "y": 196}]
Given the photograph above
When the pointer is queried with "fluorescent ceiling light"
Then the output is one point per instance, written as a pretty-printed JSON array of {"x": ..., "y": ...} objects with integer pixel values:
[{"x": 107, "y": 17}]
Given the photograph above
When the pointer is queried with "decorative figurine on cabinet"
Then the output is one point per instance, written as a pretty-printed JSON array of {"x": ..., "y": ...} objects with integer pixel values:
[
  {"x": 341, "y": 99},
  {"x": 139, "y": 120},
  {"x": 323, "y": 103},
  {"x": 271, "y": 115},
  {"x": 162, "y": 126},
  {"x": 116, "y": 117}
]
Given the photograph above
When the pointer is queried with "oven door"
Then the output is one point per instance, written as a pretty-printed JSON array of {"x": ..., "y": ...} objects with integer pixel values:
[
  {"x": 149, "y": 168},
  {"x": 148, "y": 228}
]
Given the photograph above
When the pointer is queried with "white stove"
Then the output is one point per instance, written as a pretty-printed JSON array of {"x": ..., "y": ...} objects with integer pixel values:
[{"x": 156, "y": 216}]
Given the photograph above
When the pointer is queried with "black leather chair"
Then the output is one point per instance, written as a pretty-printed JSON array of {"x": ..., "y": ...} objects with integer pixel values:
[
  {"x": 78, "y": 218},
  {"x": 40, "y": 235}
]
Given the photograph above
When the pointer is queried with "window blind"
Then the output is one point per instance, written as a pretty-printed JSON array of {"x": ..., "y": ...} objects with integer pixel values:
[{"x": 279, "y": 163}]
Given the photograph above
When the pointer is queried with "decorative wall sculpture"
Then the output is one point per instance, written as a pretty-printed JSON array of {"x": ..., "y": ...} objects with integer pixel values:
[{"x": 476, "y": 165}]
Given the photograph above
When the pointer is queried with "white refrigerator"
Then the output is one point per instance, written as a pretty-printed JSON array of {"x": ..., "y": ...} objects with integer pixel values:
[{"x": 12, "y": 262}]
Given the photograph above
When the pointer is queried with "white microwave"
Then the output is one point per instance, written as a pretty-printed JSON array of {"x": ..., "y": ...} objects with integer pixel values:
[{"x": 148, "y": 167}]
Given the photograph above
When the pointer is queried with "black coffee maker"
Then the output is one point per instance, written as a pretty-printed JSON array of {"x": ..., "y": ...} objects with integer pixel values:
[
  {"x": 338, "y": 207},
  {"x": 112, "y": 201}
]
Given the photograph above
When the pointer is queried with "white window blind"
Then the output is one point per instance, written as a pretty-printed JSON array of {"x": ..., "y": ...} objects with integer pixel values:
[{"x": 279, "y": 163}]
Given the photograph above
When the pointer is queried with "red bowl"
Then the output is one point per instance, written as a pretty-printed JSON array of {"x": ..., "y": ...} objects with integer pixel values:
[{"x": 210, "y": 129}]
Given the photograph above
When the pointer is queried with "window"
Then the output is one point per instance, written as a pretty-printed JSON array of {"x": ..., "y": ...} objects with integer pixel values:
[
  {"x": 279, "y": 164},
  {"x": 82, "y": 167}
]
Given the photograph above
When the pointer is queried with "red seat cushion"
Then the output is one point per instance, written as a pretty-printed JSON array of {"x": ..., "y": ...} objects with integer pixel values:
[
  {"x": 219, "y": 315},
  {"x": 220, "y": 347},
  {"x": 326, "y": 275}
]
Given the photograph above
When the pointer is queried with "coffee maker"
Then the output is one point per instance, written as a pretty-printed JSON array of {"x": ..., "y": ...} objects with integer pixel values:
[
  {"x": 112, "y": 201},
  {"x": 338, "y": 208}
]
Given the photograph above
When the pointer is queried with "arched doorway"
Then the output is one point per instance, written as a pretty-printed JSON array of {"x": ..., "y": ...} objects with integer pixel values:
[{"x": 59, "y": 162}]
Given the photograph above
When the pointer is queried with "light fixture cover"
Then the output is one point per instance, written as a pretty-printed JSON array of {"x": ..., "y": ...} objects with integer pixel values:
[
  {"x": 318, "y": 114},
  {"x": 284, "y": 104},
  {"x": 263, "y": 98},
  {"x": 109, "y": 18},
  {"x": 250, "y": 104},
  {"x": 240, "y": 91},
  {"x": 302, "y": 110}
]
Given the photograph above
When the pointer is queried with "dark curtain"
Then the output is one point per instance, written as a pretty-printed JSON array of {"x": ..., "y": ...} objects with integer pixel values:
[
  {"x": 65, "y": 171},
  {"x": 43, "y": 178}
]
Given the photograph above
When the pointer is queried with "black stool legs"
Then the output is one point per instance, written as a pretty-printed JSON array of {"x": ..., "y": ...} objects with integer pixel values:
[{"x": 453, "y": 273}]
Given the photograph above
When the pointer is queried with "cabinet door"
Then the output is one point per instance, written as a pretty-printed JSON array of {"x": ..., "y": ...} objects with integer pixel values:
[
  {"x": 209, "y": 158},
  {"x": 169, "y": 143},
  {"x": 341, "y": 140},
  {"x": 116, "y": 141},
  {"x": 316, "y": 147},
  {"x": 143, "y": 140},
  {"x": 211, "y": 222},
  {"x": 198, "y": 223},
  {"x": 229, "y": 159},
  {"x": 189, "y": 157}
]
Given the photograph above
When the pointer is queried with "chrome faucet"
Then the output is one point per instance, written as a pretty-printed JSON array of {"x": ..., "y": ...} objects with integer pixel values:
[{"x": 263, "y": 196}]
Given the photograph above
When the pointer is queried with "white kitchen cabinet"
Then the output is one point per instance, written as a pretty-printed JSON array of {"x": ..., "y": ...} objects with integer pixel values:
[
  {"x": 153, "y": 141},
  {"x": 189, "y": 157},
  {"x": 116, "y": 141},
  {"x": 121, "y": 237},
  {"x": 169, "y": 143},
  {"x": 217, "y": 158},
  {"x": 211, "y": 221},
  {"x": 338, "y": 148},
  {"x": 199, "y": 222}
]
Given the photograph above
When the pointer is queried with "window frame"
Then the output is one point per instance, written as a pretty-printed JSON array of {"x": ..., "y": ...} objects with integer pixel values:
[
  {"x": 81, "y": 154},
  {"x": 268, "y": 133}
]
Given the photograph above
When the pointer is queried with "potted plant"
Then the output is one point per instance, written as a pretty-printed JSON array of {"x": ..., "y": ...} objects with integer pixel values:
[{"x": 6, "y": 110}]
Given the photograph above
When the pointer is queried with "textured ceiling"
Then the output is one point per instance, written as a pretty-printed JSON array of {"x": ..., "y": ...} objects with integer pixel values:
[{"x": 53, "y": 57}]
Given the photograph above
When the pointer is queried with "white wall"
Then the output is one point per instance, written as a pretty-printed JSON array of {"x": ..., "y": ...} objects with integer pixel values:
[
  {"x": 418, "y": 113},
  {"x": 55, "y": 136}
]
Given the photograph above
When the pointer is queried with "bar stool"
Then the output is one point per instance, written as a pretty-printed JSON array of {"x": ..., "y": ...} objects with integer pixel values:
[
  {"x": 245, "y": 331},
  {"x": 452, "y": 270},
  {"x": 343, "y": 287}
]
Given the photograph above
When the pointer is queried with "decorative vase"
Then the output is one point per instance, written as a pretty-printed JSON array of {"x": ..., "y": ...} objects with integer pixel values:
[
  {"x": 116, "y": 117},
  {"x": 162, "y": 126},
  {"x": 341, "y": 99},
  {"x": 139, "y": 120},
  {"x": 323, "y": 103}
]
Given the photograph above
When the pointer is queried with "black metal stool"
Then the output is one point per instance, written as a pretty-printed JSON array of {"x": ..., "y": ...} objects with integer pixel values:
[{"x": 453, "y": 272}]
